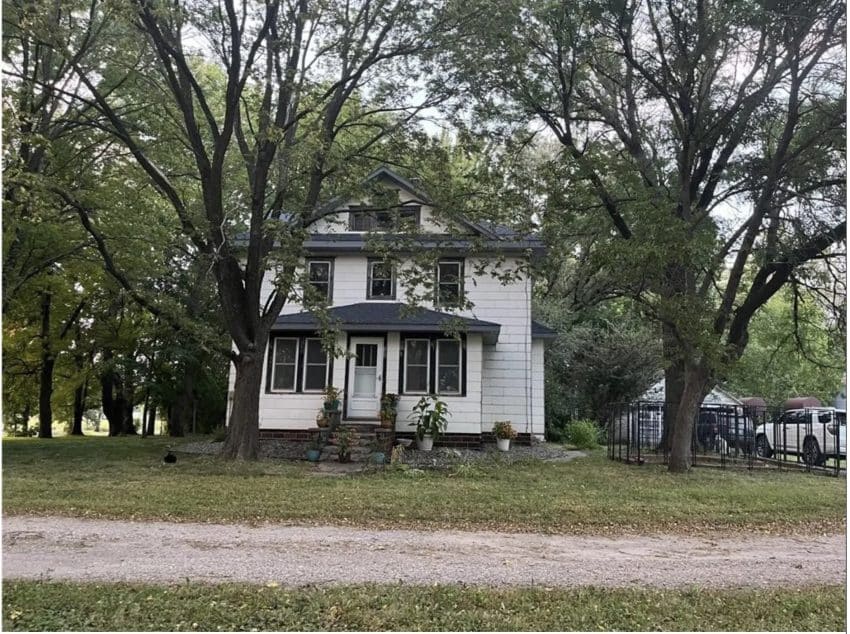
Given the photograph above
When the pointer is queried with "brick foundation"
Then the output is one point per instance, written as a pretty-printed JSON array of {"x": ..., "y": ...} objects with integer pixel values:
[{"x": 464, "y": 441}]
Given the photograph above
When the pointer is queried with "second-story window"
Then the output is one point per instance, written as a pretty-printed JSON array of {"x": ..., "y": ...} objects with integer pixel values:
[
  {"x": 449, "y": 283},
  {"x": 381, "y": 280},
  {"x": 320, "y": 276}
]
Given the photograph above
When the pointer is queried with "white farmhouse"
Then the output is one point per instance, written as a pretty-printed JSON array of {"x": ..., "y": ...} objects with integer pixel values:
[{"x": 485, "y": 361}]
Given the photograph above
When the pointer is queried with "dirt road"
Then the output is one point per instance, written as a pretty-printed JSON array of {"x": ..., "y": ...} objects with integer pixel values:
[{"x": 95, "y": 550}]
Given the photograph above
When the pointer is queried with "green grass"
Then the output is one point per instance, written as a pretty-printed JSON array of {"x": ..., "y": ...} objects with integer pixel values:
[
  {"x": 38, "y": 606},
  {"x": 125, "y": 478}
]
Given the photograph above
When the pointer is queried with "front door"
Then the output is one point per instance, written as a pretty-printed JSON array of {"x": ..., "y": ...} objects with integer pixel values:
[{"x": 365, "y": 377}]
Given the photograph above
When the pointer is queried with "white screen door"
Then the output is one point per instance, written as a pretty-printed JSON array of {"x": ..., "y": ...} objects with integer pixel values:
[{"x": 365, "y": 377}]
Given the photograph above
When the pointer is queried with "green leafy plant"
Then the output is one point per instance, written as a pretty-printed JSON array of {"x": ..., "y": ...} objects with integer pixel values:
[
  {"x": 504, "y": 429},
  {"x": 584, "y": 434},
  {"x": 219, "y": 434},
  {"x": 332, "y": 395},
  {"x": 316, "y": 442},
  {"x": 345, "y": 439},
  {"x": 389, "y": 408},
  {"x": 431, "y": 416}
]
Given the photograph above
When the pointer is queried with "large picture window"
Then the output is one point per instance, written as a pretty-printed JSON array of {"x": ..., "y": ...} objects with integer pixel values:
[
  {"x": 448, "y": 366},
  {"x": 320, "y": 276},
  {"x": 449, "y": 283},
  {"x": 381, "y": 280},
  {"x": 416, "y": 365},
  {"x": 285, "y": 362},
  {"x": 315, "y": 366}
]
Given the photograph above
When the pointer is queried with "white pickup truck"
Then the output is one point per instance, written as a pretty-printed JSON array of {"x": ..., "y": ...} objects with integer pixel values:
[{"x": 814, "y": 434}]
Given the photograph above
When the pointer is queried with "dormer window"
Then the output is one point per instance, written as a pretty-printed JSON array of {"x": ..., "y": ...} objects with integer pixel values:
[{"x": 396, "y": 219}]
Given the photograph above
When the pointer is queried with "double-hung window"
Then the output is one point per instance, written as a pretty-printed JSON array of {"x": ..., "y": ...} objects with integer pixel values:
[
  {"x": 284, "y": 364},
  {"x": 381, "y": 280},
  {"x": 298, "y": 364},
  {"x": 320, "y": 276},
  {"x": 315, "y": 366},
  {"x": 449, "y": 283},
  {"x": 433, "y": 366},
  {"x": 448, "y": 366},
  {"x": 417, "y": 365}
]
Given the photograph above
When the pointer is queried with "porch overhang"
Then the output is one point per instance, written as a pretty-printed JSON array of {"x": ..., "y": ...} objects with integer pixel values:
[{"x": 374, "y": 317}]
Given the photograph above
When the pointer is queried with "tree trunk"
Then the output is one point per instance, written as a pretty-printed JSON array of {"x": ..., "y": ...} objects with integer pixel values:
[
  {"x": 243, "y": 432},
  {"x": 45, "y": 388},
  {"x": 111, "y": 407},
  {"x": 151, "y": 419},
  {"x": 694, "y": 387},
  {"x": 674, "y": 375},
  {"x": 79, "y": 408},
  {"x": 180, "y": 418}
]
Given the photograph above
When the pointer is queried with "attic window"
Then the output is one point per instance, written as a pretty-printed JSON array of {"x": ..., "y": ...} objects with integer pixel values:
[{"x": 398, "y": 218}]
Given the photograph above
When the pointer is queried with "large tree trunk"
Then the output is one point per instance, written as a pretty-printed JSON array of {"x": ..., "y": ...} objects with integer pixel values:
[
  {"x": 151, "y": 419},
  {"x": 674, "y": 375},
  {"x": 180, "y": 416},
  {"x": 45, "y": 388},
  {"x": 79, "y": 408},
  {"x": 112, "y": 408},
  {"x": 243, "y": 432},
  {"x": 694, "y": 388}
]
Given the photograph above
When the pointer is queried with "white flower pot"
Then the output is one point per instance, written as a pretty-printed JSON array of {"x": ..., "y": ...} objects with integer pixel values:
[
  {"x": 426, "y": 443},
  {"x": 504, "y": 444}
]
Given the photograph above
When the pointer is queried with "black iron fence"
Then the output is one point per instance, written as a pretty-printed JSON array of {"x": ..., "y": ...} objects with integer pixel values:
[{"x": 813, "y": 439}]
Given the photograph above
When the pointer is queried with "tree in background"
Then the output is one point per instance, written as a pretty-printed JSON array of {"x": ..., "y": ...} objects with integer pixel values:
[
  {"x": 261, "y": 144},
  {"x": 796, "y": 348},
  {"x": 710, "y": 137}
]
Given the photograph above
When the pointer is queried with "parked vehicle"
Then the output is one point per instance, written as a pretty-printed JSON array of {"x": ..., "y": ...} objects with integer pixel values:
[{"x": 813, "y": 434}]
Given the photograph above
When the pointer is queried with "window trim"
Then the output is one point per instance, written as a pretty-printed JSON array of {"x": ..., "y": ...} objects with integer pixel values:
[
  {"x": 330, "y": 262},
  {"x": 274, "y": 363},
  {"x": 370, "y": 262},
  {"x": 459, "y": 366},
  {"x": 304, "y": 365},
  {"x": 405, "y": 364},
  {"x": 460, "y": 283}
]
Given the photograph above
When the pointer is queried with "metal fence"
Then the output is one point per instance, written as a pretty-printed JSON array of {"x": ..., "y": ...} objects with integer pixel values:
[{"x": 813, "y": 439}]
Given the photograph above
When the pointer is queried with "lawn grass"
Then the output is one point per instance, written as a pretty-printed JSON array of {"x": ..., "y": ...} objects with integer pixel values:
[
  {"x": 125, "y": 478},
  {"x": 37, "y": 606}
]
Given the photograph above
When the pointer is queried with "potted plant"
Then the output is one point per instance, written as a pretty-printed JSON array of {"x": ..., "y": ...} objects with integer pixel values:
[
  {"x": 346, "y": 438},
  {"x": 332, "y": 398},
  {"x": 322, "y": 419},
  {"x": 378, "y": 455},
  {"x": 389, "y": 410},
  {"x": 431, "y": 416},
  {"x": 504, "y": 433},
  {"x": 314, "y": 449}
]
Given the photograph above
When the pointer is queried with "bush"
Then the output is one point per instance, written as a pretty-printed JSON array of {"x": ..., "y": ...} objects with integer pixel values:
[
  {"x": 584, "y": 434},
  {"x": 219, "y": 434}
]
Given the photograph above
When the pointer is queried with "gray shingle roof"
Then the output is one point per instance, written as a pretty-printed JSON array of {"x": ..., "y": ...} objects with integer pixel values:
[
  {"x": 539, "y": 331},
  {"x": 389, "y": 316}
]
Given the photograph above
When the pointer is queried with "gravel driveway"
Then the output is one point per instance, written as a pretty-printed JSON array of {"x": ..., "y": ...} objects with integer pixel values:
[{"x": 78, "y": 549}]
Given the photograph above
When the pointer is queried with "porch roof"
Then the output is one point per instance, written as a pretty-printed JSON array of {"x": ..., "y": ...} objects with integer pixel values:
[{"x": 390, "y": 316}]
